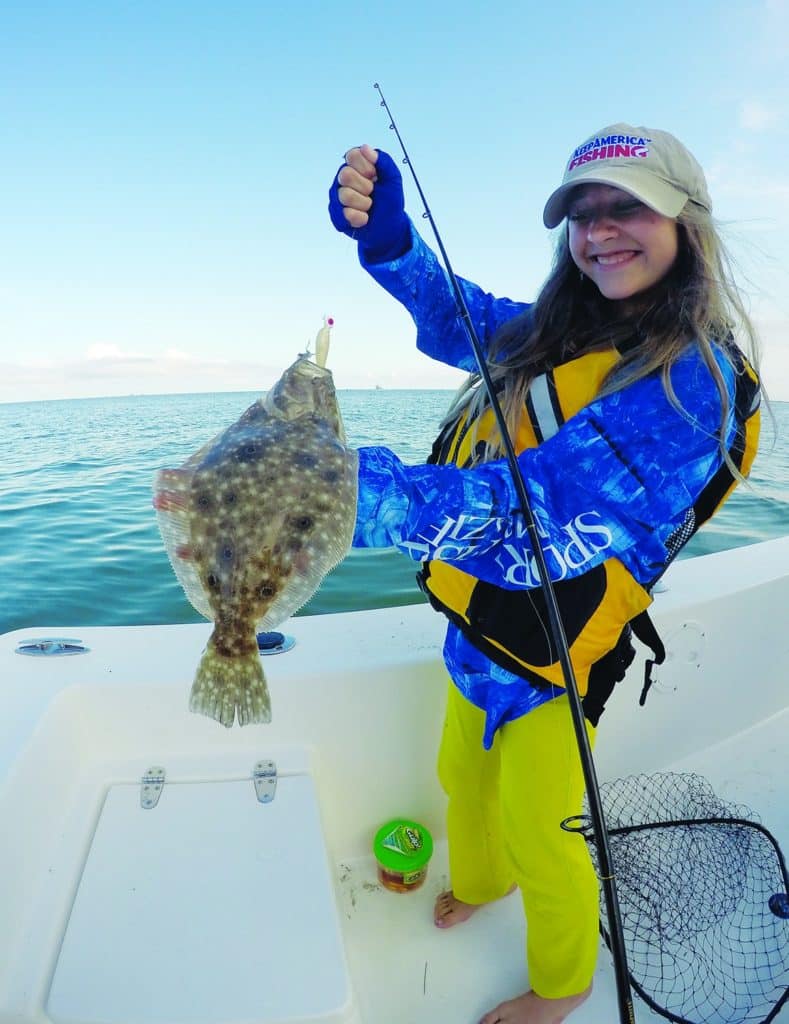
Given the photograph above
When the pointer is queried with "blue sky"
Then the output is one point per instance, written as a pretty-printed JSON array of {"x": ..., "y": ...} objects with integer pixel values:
[{"x": 165, "y": 170}]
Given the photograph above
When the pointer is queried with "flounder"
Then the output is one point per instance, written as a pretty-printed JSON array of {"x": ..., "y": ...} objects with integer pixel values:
[{"x": 252, "y": 523}]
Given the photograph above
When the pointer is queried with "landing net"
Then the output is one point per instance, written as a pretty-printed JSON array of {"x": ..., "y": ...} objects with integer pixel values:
[{"x": 702, "y": 890}]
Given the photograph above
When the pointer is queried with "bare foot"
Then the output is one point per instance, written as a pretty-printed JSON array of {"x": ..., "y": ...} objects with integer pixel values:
[
  {"x": 450, "y": 911},
  {"x": 533, "y": 1009}
]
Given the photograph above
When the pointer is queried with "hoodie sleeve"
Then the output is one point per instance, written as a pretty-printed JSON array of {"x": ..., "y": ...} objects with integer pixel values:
[
  {"x": 418, "y": 280},
  {"x": 616, "y": 480}
]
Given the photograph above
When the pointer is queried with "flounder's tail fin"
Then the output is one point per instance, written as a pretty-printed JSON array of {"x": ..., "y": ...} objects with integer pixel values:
[{"x": 224, "y": 687}]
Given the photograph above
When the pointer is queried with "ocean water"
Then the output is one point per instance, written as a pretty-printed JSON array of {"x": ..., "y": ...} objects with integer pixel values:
[{"x": 79, "y": 544}]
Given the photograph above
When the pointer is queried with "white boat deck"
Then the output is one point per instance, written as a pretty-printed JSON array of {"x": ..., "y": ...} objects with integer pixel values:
[
  {"x": 357, "y": 713},
  {"x": 411, "y": 971}
]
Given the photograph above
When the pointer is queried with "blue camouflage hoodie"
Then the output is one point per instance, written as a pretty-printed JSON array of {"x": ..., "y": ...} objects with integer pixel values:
[{"x": 628, "y": 466}]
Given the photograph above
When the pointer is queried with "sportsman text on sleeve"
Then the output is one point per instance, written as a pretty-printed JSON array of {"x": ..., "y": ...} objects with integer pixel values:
[{"x": 631, "y": 485}]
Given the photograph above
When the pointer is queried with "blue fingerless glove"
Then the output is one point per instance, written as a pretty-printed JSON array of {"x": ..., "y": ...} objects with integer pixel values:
[{"x": 387, "y": 234}]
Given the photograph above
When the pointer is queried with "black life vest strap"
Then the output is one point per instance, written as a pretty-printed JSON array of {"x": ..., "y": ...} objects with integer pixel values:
[
  {"x": 605, "y": 674},
  {"x": 644, "y": 629}
]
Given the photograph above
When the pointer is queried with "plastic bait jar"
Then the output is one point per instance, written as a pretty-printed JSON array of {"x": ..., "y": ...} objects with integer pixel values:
[{"x": 402, "y": 849}]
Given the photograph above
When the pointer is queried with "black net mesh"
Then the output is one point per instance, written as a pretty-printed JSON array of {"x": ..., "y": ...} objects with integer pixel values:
[{"x": 701, "y": 888}]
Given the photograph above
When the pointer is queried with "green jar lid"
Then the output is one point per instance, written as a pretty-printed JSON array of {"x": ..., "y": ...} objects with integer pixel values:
[{"x": 402, "y": 845}]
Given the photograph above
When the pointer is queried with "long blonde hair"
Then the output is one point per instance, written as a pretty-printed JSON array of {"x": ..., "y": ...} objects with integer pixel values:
[{"x": 697, "y": 301}]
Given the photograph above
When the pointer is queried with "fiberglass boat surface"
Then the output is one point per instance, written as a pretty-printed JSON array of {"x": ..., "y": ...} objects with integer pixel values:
[{"x": 212, "y": 906}]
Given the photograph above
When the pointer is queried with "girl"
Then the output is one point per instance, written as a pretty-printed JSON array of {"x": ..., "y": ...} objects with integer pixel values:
[{"x": 633, "y": 414}]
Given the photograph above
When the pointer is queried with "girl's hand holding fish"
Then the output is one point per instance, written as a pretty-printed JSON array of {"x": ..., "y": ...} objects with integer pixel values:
[{"x": 366, "y": 202}]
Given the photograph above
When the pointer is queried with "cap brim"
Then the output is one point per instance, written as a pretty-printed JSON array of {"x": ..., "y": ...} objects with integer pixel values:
[{"x": 656, "y": 194}]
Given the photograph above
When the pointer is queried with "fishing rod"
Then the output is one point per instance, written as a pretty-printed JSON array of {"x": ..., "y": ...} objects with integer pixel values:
[{"x": 624, "y": 993}]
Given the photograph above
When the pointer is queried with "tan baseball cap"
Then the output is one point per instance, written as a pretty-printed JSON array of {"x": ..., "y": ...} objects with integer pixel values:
[{"x": 650, "y": 164}]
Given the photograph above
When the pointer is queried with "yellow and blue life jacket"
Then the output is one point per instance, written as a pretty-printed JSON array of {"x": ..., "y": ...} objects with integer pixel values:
[{"x": 599, "y": 607}]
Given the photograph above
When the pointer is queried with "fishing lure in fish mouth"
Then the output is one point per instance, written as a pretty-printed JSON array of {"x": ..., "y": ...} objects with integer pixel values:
[{"x": 252, "y": 523}]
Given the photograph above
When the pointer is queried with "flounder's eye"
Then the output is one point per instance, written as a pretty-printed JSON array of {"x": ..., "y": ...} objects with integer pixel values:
[
  {"x": 204, "y": 501},
  {"x": 212, "y": 580},
  {"x": 227, "y": 553},
  {"x": 303, "y": 522},
  {"x": 266, "y": 589},
  {"x": 248, "y": 451}
]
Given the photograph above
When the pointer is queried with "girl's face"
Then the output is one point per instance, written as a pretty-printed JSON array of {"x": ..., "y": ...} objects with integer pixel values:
[{"x": 618, "y": 242}]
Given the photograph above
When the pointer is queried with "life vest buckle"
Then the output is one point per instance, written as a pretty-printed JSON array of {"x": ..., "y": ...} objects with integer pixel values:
[
  {"x": 644, "y": 629},
  {"x": 648, "y": 680}
]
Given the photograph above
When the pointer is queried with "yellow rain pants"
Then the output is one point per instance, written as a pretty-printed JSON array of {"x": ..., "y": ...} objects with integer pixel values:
[{"x": 505, "y": 806}]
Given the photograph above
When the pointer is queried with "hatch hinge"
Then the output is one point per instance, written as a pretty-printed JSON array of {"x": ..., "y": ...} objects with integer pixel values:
[
  {"x": 264, "y": 775},
  {"x": 151, "y": 786}
]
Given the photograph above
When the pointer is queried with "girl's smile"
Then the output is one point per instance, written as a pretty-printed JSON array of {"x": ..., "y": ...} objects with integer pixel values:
[{"x": 620, "y": 244}]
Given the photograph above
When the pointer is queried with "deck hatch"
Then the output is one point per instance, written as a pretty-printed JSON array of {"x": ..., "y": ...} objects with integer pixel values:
[{"x": 209, "y": 909}]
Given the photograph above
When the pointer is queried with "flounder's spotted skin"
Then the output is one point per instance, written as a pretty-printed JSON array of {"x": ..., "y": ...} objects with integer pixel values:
[{"x": 252, "y": 523}]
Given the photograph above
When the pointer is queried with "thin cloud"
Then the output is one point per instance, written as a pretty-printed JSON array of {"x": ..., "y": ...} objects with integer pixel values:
[
  {"x": 106, "y": 370},
  {"x": 755, "y": 116},
  {"x": 100, "y": 352}
]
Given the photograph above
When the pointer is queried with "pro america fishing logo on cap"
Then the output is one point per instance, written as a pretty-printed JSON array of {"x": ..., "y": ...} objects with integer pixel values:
[{"x": 608, "y": 147}]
